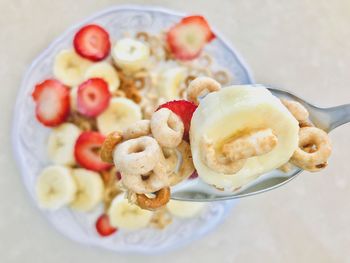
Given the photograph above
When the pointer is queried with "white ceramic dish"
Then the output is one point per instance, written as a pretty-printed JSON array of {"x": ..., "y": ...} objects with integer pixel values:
[{"x": 29, "y": 137}]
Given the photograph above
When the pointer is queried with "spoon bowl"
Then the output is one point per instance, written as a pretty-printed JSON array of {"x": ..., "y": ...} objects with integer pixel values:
[{"x": 326, "y": 119}]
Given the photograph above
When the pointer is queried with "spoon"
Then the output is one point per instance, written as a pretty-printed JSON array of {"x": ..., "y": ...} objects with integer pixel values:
[{"x": 326, "y": 119}]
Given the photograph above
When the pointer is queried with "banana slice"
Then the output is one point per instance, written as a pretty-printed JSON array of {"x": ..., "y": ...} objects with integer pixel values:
[
  {"x": 184, "y": 209},
  {"x": 131, "y": 55},
  {"x": 89, "y": 190},
  {"x": 106, "y": 72},
  {"x": 73, "y": 95},
  {"x": 70, "y": 68},
  {"x": 55, "y": 187},
  {"x": 120, "y": 113},
  {"x": 169, "y": 83},
  {"x": 228, "y": 112},
  {"x": 125, "y": 215},
  {"x": 60, "y": 146}
]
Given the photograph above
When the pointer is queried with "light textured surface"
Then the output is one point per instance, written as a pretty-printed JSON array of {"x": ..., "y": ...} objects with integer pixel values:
[{"x": 298, "y": 45}]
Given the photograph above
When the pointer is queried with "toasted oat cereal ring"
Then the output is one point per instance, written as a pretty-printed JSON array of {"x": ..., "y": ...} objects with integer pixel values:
[
  {"x": 167, "y": 128},
  {"x": 147, "y": 183},
  {"x": 303, "y": 124},
  {"x": 170, "y": 159},
  {"x": 143, "y": 36},
  {"x": 205, "y": 60},
  {"x": 314, "y": 149},
  {"x": 137, "y": 156},
  {"x": 299, "y": 112},
  {"x": 134, "y": 95},
  {"x": 200, "y": 87},
  {"x": 109, "y": 193},
  {"x": 108, "y": 146},
  {"x": 286, "y": 168},
  {"x": 188, "y": 79},
  {"x": 222, "y": 77},
  {"x": 186, "y": 167},
  {"x": 200, "y": 72},
  {"x": 140, "y": 83},
  {"x": 252, "y": 144},
  {"x": 217, "y": 162},
  {"x": 84, "y": 123},
  {"x": 161, "y": 198},
  {"x": 137, "y": 129}
]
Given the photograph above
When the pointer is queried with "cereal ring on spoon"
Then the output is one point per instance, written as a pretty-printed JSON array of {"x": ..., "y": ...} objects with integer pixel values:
[
  {"x": 314, "y": 149},
  {"x": 167, "y": 128},
  {"x": 161, "y": 198},
  {"x": 137, "y": 156}
]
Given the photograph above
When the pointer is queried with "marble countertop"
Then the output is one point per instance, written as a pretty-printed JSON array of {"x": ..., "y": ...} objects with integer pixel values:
[{"x": 298, "y": 45}]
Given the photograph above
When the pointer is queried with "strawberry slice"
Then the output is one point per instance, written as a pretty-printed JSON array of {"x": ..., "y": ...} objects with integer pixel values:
[
  {"x": 104, "y": 227},
  {"x": 93, "y": 97},
  {"x": 52, "y": 102},
  {"x": 92, "y": 42},
  {"x": 194, "y": 175},
  {"x": 86, "y": 151},
  {"x": 184, "y": 109},
  {"x": 187, "y": 38}
]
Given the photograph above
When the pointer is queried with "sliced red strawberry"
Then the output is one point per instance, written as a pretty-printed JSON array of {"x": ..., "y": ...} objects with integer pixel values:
[
  {"x": 118, "y": 175},
  {"x": 86, "y": 151},
  {"x": 184, "y": 109},
  {"x": 52, "y": 102},
  {"x": 92, "y": 42},
  {"x": 104, "y": 227},
  {"x": 187, "y": 38},
  {"x": 194, "y": 175},
  {"x": 93, "y": 97}
]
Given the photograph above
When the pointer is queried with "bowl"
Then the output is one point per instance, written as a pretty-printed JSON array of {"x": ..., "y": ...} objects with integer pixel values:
[{"x": 29, "y": 137}]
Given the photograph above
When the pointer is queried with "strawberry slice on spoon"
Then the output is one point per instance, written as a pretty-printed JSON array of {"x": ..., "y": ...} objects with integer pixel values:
[
  {"x": 187, "y": 38},
  {"x": 92, "y": 42},
  {"x": 86, "y": 151},
  {"x": 52, "y": 102},
  {"x": 93, "y": 97}
]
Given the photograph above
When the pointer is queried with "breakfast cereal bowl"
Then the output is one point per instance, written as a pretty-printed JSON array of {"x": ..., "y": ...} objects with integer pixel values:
[{"x": 30, "y": 138}]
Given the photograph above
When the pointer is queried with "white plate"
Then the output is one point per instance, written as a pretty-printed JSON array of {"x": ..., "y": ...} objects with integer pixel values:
[{"x": 29, "y": 137}]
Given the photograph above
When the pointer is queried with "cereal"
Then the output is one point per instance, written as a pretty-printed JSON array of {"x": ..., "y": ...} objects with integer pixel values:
[
  {"x": 251, "y": 144},
  {"x": 186, "y": 165},
  {"x": 201, "y": 86},
  {"x": 137, "y": 156},
  {"x": 167, "y": 128},
  {"x": 297, "y": 109},
  {"x": 149, "y": 182},
  {"x": 109, "y": 145},
  {"x": 314, "y": 149},
  {"x": 218, "y": 162},
  {"x": 137, "y": 129},
  {"x": 162, "y": 197},
  {"x": 161, "y": 218}
]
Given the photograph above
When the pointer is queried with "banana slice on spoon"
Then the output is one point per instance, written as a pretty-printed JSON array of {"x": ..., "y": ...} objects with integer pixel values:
[{"x": 230, "y": 113}]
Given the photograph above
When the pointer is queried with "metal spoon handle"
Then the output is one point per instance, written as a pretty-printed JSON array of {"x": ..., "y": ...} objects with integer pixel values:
[
  {"x": 338, "y": 115},
  {"x": 329, "y": 118}
]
